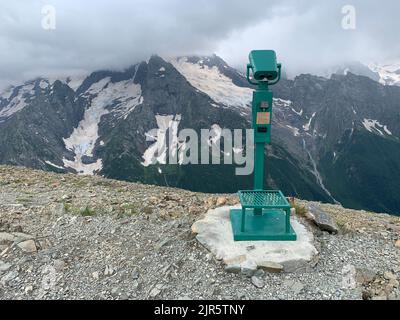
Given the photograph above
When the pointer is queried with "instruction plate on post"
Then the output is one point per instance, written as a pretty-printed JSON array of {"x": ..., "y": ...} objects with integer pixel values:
[{"x": 263, "y": 118}]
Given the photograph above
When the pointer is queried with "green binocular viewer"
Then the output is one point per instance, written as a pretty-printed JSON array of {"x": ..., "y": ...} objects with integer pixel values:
[{"x": 264, "y": 67}]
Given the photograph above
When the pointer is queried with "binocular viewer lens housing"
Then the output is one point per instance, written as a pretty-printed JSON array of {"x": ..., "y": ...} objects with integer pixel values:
[{"x": 263, "y": 64}]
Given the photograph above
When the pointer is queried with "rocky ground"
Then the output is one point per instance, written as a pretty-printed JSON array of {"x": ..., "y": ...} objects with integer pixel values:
[{"x": 74, "y": 237}]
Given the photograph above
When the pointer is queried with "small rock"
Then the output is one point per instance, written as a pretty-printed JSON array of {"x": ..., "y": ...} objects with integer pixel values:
[
  {"x": 209, "y": 202},
  {"x": 235, "y": 260},
  {"x": 194, "y": 210},
  {"x": 389, "y": 276},
  {"x": 162, "y": 243},
  {"x": 393, "y": 283},
  {"x": 6, "y": 238},
  {"x": 4, "y": 266},
  {"x": 233, "y": 268},
  {"x": 95, "y": 275},
  {"x": 28, "y": 246},
  {"x": 8, "y": 277},
  {"x": 366, "y": 295},
  {"x": 28, "y": 289},
  {"x": 295, "y": 286},
  {"x": 322, "y": 219},
  {"x": 259, "y": 273},
  {"x": 397, "y": 244},
  {"x": 156, "y": 290},
  {"x": 365, "y": 276},
  {"x": 123, "y": 296},
  {"x": 114, "y": 292},
  {"x": 248, "y": 268},
  {"x": 270, "y": 266},
  {"x": 19, "y": 236},
  {"x": 135, "y": 274},
  {"x": 249, "y": 248},
  {"x": 221, "y": 201},
  {"x": 379, "y": 298},
  {"x": 108, "y": 271},
  {"x": 259, "y": 283},
  {"x": 59, "y": 265},
  {"x": 135, "y": 284}
]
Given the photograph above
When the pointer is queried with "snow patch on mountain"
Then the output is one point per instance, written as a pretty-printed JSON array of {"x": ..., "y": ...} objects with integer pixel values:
[
  {"x": 286, "y": 104},
  {"x": 123, "y": 96},
  {"x": 212, "y": 82},
  {"x": 17, "y": 103},
  {"x": 215, "y": 135},
  {"x": 157, "y": 152},
  {"x": 163, "y": 146},
  {"x": 7, "y": 93},
  {"x": 75, "y": 82},
  {"x": 295, "y": 131},
  {"x": 306, "y": 127},
  {"x": 389, "y": 73},
  {"x": 83, "y": 139},
  {"x": 54, "y": 165},
  {"x": 281, "y": 103},
  {"x": 43, "y": 84},
  {"x": 374, "y": 126},
  {"x": 299, "y": 113}
]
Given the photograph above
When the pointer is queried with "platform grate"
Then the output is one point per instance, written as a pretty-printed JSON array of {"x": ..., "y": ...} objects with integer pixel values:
[{"x": 263, "y": 199}]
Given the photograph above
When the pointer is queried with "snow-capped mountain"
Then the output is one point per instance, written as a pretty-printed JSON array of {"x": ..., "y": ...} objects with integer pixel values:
[
  {"x": 354, "y": 67},
  {"x": 384, "y": 73},
  {"x": 334, "y": 139},
  {"x": 389, "y": 74}
]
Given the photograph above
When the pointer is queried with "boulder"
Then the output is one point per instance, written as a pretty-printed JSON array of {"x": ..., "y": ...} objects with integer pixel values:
[{"x": 322, "y": 219}]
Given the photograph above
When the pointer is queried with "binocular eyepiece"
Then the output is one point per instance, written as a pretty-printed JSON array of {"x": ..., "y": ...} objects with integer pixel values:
[{"x": 264, "y": 67}]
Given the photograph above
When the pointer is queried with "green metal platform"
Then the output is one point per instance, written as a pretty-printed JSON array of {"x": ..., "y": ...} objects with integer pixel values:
[{"x": 265, "y": 215}]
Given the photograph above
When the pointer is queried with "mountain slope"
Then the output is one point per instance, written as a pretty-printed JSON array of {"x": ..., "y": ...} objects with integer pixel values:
[{"x": 101, "y": 124}]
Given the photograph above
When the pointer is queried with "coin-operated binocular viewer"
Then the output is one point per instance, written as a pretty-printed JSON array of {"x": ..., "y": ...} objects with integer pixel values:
[{"x": 265, "y": 214}]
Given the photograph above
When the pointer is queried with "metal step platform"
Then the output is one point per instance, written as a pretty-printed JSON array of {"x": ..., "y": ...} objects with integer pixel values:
[{"x": 265, "y": 215}]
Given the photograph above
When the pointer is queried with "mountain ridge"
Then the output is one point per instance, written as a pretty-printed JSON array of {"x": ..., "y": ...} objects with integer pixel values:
[{"x": 100, "y": 127}]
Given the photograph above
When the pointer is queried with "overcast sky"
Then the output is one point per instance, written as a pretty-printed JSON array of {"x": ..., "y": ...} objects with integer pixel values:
[{"x": 96, "y": 34}]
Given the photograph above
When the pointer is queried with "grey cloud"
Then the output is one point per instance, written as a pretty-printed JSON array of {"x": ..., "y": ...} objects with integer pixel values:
[{"x": 114, "y": 34}]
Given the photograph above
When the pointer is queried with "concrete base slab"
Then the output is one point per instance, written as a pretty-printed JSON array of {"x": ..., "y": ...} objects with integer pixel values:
[{"x": 215, "y": 233}]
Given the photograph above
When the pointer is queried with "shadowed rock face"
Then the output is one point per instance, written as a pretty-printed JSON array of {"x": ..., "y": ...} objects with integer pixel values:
[{"x": 333, "y": 140}]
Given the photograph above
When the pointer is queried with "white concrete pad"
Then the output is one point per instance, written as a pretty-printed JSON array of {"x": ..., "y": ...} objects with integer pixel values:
[{"x": 215, "y": 233}]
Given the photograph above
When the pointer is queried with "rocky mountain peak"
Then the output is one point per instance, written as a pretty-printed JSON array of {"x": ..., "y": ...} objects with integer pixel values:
[{"x": 98, "y": 124}]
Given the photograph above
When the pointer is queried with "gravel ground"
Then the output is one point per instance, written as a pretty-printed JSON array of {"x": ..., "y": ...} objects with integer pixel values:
[{"x": 73, "y": 237}]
